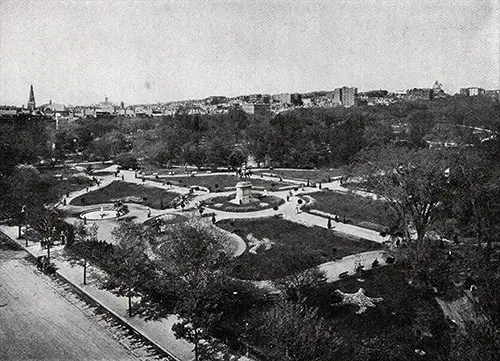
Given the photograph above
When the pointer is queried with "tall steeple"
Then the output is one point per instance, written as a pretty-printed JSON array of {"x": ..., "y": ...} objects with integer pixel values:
[{"x": 31, "y": 102}]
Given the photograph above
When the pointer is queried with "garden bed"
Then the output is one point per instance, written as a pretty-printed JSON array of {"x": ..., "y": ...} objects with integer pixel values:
[
  {"x": 152, "y": 197},
  {"x": 306, "y": 246},
  {"x": 223, "y": 203}
]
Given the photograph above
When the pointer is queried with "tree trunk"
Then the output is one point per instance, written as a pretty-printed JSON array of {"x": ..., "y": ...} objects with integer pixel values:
[
  {"x": 195, "y": 345},
  {"x": 48, "y": 253},
  {"x": 129, "y": 303},
  {"x": 85, "y": 271}
]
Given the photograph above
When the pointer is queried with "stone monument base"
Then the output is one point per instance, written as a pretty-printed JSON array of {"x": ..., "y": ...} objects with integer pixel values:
[{"x": 243, "y": 193}]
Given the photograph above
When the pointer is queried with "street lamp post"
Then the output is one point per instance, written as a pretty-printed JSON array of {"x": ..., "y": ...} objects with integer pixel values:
[{"x": 21, "y": 219}]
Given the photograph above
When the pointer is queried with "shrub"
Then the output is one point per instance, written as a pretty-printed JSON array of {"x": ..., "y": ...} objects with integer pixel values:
[{"x": 127, "y": 160}]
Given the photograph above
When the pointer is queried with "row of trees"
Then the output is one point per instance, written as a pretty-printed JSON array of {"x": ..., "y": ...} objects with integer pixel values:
[
  {"x": 189, "y": 274},
  {"x": 298, "y": 138}
]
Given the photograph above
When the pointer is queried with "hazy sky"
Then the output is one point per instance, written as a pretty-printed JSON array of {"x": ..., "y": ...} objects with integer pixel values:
[{"x": 78, "y": 52}]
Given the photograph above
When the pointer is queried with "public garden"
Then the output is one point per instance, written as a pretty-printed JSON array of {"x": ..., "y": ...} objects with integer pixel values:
[
  {"x": 269, "y": 240},
  {"x": 383, "y": 252}
]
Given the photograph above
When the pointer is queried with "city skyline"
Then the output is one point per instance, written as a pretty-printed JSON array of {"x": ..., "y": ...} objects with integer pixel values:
[{"x": 78, "y": 52}]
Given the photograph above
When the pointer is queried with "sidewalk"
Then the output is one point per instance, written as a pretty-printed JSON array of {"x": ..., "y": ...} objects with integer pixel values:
[{"x": 159, "y": 332}]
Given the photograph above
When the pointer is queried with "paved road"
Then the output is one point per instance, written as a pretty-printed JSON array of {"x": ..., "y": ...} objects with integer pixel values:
[{"x": 37, "y": 323}]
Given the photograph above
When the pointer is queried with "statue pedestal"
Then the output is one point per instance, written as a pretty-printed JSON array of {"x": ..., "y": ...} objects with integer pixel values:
[{"x": 243, "y": 193}]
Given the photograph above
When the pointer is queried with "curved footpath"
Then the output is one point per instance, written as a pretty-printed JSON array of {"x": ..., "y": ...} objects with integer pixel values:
[{"x": 160, "y": 332}]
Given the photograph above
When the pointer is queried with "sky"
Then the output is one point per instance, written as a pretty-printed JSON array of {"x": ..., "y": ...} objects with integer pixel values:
[{"x": 78, "y": 52}]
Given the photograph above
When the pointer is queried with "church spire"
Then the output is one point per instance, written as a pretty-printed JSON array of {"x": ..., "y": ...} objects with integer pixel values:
[{"x": 31, "y": 102}]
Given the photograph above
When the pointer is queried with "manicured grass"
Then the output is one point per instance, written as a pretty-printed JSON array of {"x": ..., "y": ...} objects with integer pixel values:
[
  {"x": 222, "y": 203},
  {"x": 314, "y": 175},
  {"x": 359, "y": 210},
  {"x": 72, "y": 184},
  {"x": 219, "y": 182},
  {"x": 308, "y": 246},
  {"x": 405, "y": 320},
  {"x": 395, "y": 325},
  {"x": 133, "y": 193}
]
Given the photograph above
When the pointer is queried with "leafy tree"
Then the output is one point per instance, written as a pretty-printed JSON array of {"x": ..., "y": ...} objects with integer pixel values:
[
  {"x": 420, "y": 124},
  {"x": 299, "y": 282},
  {"x": 195, "y": 256},
  {"x": 82, "y": 251},
  {"x": 414, "y": 183},
  {"x": 475, "y": 190},
  {"x": 295, "y": 331},
  {"x": 480, "y": 341},
  {"x": 47, "y": 229},
  {"x": 128, "y": 266},
  {"x": 127, "y": 161}
]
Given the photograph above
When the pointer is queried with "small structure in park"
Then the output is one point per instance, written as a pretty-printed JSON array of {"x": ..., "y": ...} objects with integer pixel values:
[
  {"x": 358, "y": 299},
  {"x": 244, "y": 193}
]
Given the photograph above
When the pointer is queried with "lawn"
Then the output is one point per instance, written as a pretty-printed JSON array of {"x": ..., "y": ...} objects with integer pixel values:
[
  {"x": 306, "y": 246},
  {"x": 314, "y": 175},
  {"x": 264, "y": 202},
  {"x": 220, "y": 182},
  {"x": 128, "y": 192},
  {"x": 362, "y": 211},
  {"x": 403, "y": 321}
]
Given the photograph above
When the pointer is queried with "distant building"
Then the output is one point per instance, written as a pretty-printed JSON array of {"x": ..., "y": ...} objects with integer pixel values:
[
  {"x": 282, "y": 98},
  {"x": 296, "y": 99},
  {"x": 345, "y": 96},
  {"x": 348, "y": 96},
  {"x": 472, "y": 91},
  {"x": 256, "y": 109},
  {"x": 31, "y": 101},
  {"x": 419, "y": 94},
  {"x": 493, "y": 93},
  {"x": 7, "y": 110},
  {"x": 437, "y": 90},
  {"x": 337, "y": 96}
]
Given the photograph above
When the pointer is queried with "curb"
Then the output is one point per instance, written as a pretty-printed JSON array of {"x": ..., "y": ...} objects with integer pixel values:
[{"x": 87, "y": 295}]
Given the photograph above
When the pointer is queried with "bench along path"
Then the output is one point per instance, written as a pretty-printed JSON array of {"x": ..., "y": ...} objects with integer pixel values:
[{"x": 160, "y": 331}]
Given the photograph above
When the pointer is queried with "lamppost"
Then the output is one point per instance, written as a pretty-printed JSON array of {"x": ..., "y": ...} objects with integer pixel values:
[{"x": 21, "y": 219}]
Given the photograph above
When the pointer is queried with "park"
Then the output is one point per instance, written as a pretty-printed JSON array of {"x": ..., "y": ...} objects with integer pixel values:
[
  {"x": 274, "y": 244},
  {"x": 358, "y": 243}
]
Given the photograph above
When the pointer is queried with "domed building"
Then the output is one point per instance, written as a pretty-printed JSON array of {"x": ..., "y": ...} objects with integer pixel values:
[{"x": 437, "y": 90}]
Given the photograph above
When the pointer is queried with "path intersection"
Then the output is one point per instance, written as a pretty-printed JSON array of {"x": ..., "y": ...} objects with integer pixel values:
[{"x": 160, "y": 331}]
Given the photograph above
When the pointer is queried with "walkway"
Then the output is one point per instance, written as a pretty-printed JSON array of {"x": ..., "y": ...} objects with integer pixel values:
[{"x": 160, "y": 331}]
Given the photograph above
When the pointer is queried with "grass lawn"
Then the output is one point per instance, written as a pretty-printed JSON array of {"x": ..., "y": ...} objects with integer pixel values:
[
  {"x": 314, "y": 175},
  {"x": 220, "y": 182},
  {"x": 308, "y": 246},
  {"x": 264, "y": 202},
  {"x": 405, "y": 320},
  {"x": 128, "y": 192},
  {"x": 362, "y": 211},
  {"x": 402, "y": 322}
]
